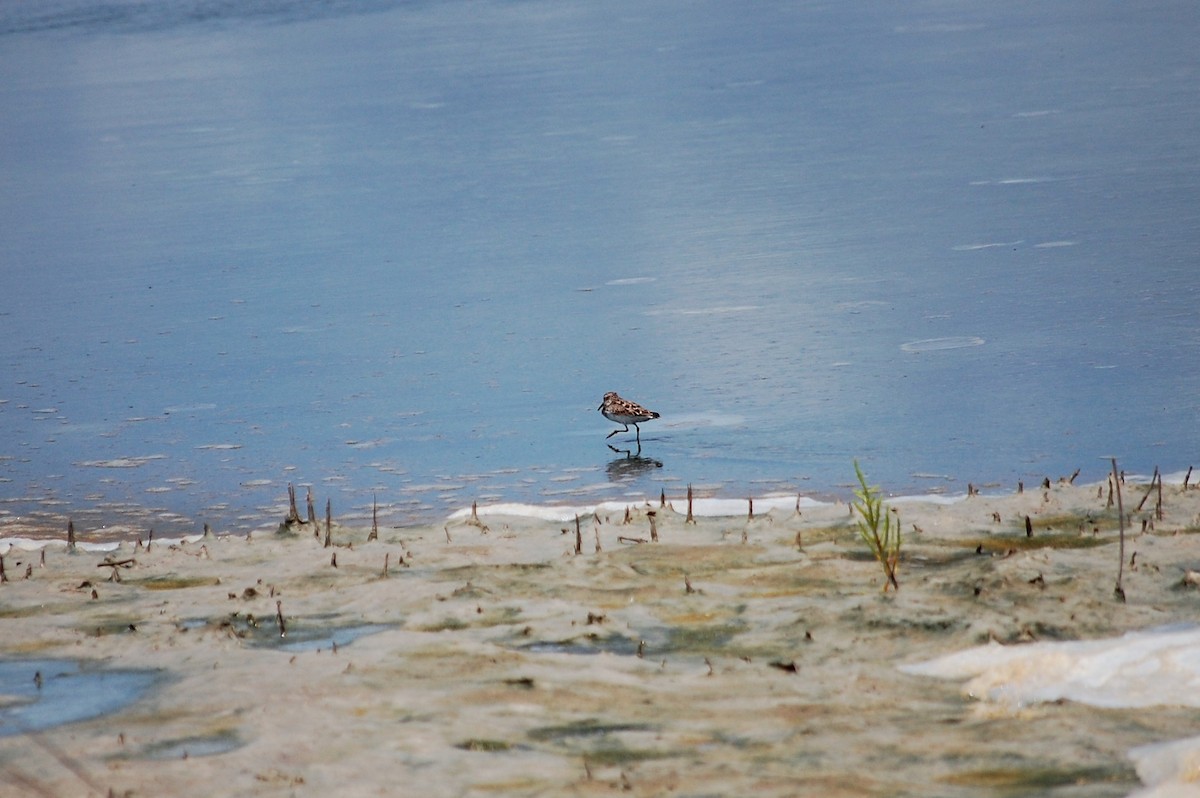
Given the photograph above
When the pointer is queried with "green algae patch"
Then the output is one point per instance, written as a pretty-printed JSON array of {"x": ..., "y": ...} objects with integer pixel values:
[
  {"x": 1063, "y": 523},
  {"x": 620, "y": 755},
  {"x": 601, "y": 742},
  {"x": 446, "y": 625},
  {"x": 484, "y": 745},
  {"x": 589, "y": 727},
  {"x": 111, "y": 626},
  {"x": 1023, "y": 781},
  {"x": 700, "y": 639},
  {"x": 173, "y": 582},
  {"x": 808, "y": 536},
  {"x": 1004, "y": 545}
]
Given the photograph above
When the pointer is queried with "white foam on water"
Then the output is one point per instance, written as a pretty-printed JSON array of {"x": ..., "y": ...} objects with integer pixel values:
[
  {"x": 121, "y": 462},
  {"x": 985, "y": 245},
  {"x": 727, "y": 508},
  {"x": 542, "y": 512},
  {"x": 1014, "y": 181},
  {"x": 368, "y": 444},
  {"x": 190, "y": 408},
  {"x": 715, "y": 310},
  {"x": 1020, "y": 181},
  {"x": 939, "y": 344},
  {"x": 932, "y": 498},
  {"x": 704, "y": 507},
  {"x": 37, "y": 544}
]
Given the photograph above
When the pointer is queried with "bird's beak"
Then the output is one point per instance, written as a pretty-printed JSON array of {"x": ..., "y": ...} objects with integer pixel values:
[{"x": 601, "y": 407}]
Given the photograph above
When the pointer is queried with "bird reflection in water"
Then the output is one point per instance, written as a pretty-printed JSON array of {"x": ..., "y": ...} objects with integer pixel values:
[{"x": 631, "y": 465}]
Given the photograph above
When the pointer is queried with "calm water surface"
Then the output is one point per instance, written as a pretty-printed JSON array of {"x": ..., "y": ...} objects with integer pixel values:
[{"x": 401, "y": 249}]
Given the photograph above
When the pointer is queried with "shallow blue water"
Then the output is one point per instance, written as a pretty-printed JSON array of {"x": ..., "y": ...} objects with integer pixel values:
[
  {"x": 403, "y": 253},
  {"x": 47, "y": 693}
]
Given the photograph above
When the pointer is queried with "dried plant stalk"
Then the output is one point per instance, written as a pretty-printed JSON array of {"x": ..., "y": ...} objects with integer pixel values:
[{"x": 1119, "y": 591}]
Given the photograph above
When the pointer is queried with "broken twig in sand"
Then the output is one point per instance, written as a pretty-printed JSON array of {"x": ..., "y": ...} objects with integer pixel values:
[
  {"x": 116, "y": 565},
  {"x": 374, "y": 519},
  {"x": 1153, "y": 481}
]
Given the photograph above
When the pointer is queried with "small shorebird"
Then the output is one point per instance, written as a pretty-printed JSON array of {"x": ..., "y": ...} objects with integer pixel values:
[{"x": 624, "y": 412}]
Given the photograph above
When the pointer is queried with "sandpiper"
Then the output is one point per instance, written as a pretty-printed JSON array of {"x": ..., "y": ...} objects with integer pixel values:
[{"x": 624, "y": 412}]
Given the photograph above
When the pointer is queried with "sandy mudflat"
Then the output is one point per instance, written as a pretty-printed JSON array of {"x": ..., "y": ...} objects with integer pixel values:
[{"x": 725, "y": 659}]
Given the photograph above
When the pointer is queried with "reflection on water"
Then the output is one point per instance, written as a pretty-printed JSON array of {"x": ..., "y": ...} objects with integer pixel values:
[
  {"x": 395, "y": 256},
  {"x": 630, "y": 465}
]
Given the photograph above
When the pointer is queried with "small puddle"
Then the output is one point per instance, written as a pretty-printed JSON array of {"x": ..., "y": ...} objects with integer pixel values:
[
  {"x": 611, "y": 644},
  {"x": 302, "y": 634},
  {"x": 320, "y": 639},
  {"x": 187, "y": 747},
  {"x": 40, "y": 694}
]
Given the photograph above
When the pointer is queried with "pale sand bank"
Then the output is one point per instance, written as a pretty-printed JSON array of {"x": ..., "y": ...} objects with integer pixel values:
[{"x": 499, "y": 662}]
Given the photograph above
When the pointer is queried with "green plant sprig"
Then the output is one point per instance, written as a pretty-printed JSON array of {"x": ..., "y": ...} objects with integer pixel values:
[{"x": 877, "y": 528}]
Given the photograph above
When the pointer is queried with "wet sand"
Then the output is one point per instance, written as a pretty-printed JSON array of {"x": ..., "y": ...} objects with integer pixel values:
[{"x": 734, "y": 656}]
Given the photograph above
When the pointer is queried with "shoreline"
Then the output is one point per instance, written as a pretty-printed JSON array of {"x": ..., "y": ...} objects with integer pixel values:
[{"x": 708, "y": 501}]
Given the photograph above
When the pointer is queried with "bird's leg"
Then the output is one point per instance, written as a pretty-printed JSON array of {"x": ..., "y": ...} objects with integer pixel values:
[
  {"x": 639, "y": 432},
  {"x": 614, "y": 432}
]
